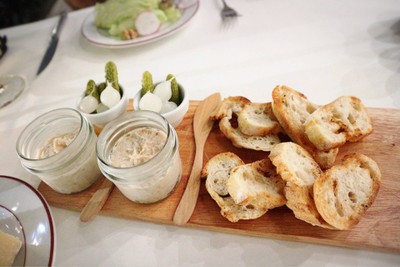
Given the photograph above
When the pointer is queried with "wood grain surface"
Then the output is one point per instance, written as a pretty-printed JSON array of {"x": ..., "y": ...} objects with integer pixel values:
[{"x": 379, "y": 229}]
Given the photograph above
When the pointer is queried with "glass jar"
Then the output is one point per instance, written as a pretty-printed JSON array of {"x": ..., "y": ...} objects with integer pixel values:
[
  {"x": 73, "y": 167},
  {"x": 151, "y": 180}
]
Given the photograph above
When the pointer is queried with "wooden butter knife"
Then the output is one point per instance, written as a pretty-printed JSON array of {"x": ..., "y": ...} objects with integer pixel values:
[
  {"x": 202, "y": 125},
  {"x": 97, "y": 201}
]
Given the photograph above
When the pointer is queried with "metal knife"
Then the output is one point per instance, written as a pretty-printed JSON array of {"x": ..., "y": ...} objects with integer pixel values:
[{"x": 51, "y": 49}]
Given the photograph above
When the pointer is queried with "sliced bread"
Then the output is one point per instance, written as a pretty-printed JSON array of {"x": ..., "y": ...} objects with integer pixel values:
[
  {"x": 344, "y": 192},
  {"x": 229, "y": 106},
  {"x": 233, "y": 106},
  {"x": 241, "y": 140},
  {"x": 298, "y": 168},
  {"x": 257, "y": 184},
  {"x": 345, "y": 119},
  {"x": 215, "y": 172},
  {"x": 292, "y": 109},
  {"x": 258, "y": 119}
]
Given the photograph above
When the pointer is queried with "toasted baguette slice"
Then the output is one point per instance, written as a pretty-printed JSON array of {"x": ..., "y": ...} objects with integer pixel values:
[
  {"x": 258, "y": 119},
  {"x": 234, "y": 105},
  {"x": 292, "y": 109},
  {"x": 294, "y": 164},
  {"x": 344, "y": 192},
  {"x": 216, "y": 172},
  {"x": 239, "y": 139},
  {"x": 345, "y": 119},
  {"x": 297, "y": 167},
  {"x": 229, "y": 106},
  {"x": 234, "y": 212},
  {"x": 325, "y": 159},
  {"x": 257, "y": 184}
]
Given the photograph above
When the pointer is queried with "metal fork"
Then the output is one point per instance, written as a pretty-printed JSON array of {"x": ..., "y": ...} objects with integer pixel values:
[{"x": 228, "y": 12}]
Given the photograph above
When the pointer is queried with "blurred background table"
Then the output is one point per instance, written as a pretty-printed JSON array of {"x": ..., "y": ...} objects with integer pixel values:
[{"x": 322, "y": 48}]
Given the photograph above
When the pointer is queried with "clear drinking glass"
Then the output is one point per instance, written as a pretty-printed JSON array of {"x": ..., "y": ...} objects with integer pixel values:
[{"x": 11, "y": 86}]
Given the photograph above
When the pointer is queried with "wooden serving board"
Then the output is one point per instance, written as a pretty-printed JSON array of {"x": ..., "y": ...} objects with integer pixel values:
[{"x": 379, "y": 229}]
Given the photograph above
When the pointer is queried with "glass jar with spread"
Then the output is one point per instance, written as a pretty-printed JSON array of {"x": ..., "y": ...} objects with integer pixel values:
[
  {"x": 60, "y": 148},
  {"x": 139, "y": 153}
]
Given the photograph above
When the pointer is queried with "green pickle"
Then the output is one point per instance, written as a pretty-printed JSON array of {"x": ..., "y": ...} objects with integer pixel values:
[
  {"x": 112, "y": 75},
  {"x": 91, "y": 89},
  {"x": 101, "y": 87},
  {"x": 147, "y": 83},
  {"x": 175, "y": 97}
]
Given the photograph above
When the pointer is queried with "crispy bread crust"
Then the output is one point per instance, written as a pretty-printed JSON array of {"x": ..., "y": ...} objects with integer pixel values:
[
  {"x": 345, "y": 119},
  {"x": 234, "y": 105},
  {"x": 229, "y": 106},
  {"x": 258, "y": 119},
  {"x": 239, "y": 139},
  {"x": 215, "y": 172},
  {"x": 256, "y": 184},
  {"x": 292, "y": 109},
  {"x": 292, "y": 175},
  {"x": 344, "y": 192},
  {"x": 297, "y": 167}
]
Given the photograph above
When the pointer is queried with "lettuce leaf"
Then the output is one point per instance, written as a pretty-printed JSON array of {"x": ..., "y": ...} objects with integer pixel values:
[
  {"x": 115, "y": 16},
  {"x": 115, "y": 11}
]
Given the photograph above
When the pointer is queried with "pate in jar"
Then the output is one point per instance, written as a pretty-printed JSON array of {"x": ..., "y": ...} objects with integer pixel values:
[
  {"x": 60, "y": 148},
  {"x": 139, "y": 153}
]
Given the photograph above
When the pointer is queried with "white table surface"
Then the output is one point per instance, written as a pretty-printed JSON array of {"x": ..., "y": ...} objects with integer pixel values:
[{"x": 322, "y": 48}]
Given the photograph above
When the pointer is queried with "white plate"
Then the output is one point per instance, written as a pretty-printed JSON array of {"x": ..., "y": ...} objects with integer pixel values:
[
  {"x": 99, "y": 38},
  {"x": 25, "y": 213}
]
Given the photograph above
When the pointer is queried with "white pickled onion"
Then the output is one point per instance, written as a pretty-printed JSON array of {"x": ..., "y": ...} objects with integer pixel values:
[
  {"x": 150, "y": 102},
  {"x": 168, "y": 106},
  {"x": 163, "y": 90},
  {"x": 110, "y": 97},
  {"x": 88, "y": 104}
]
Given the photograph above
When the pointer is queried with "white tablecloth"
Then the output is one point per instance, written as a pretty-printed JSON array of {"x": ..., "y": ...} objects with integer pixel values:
[{"x": 322, "y": 48}]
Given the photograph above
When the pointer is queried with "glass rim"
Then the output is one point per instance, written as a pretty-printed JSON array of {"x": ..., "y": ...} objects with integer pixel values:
[
  {"x": 123, "y": 123},
  {"x": 24, "y": 132}
]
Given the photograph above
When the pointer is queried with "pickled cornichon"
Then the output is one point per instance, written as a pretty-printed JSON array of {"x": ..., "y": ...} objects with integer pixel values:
[
  {"x": 91, "y": 89},
  {"x": 96, "y": 97},
  {"x": 147, "y": 83},
  {"x": 175, "y": 97},
  {"x": 101, "y": 87},
  {"x": 112, "y": 75}
]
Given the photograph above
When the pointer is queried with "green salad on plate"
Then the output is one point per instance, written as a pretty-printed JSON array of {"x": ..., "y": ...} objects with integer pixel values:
[{"x": 129, "y": 19}]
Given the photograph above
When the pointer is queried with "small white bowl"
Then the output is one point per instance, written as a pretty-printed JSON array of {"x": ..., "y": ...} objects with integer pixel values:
[
  {"x": 101, "y": 119},
  {"x": 174, "y": 117}
]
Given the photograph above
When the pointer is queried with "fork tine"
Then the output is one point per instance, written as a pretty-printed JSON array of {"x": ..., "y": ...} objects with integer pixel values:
[
  {"x": 227, "y": 11},
  {"x": 228, "y": 21}
]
